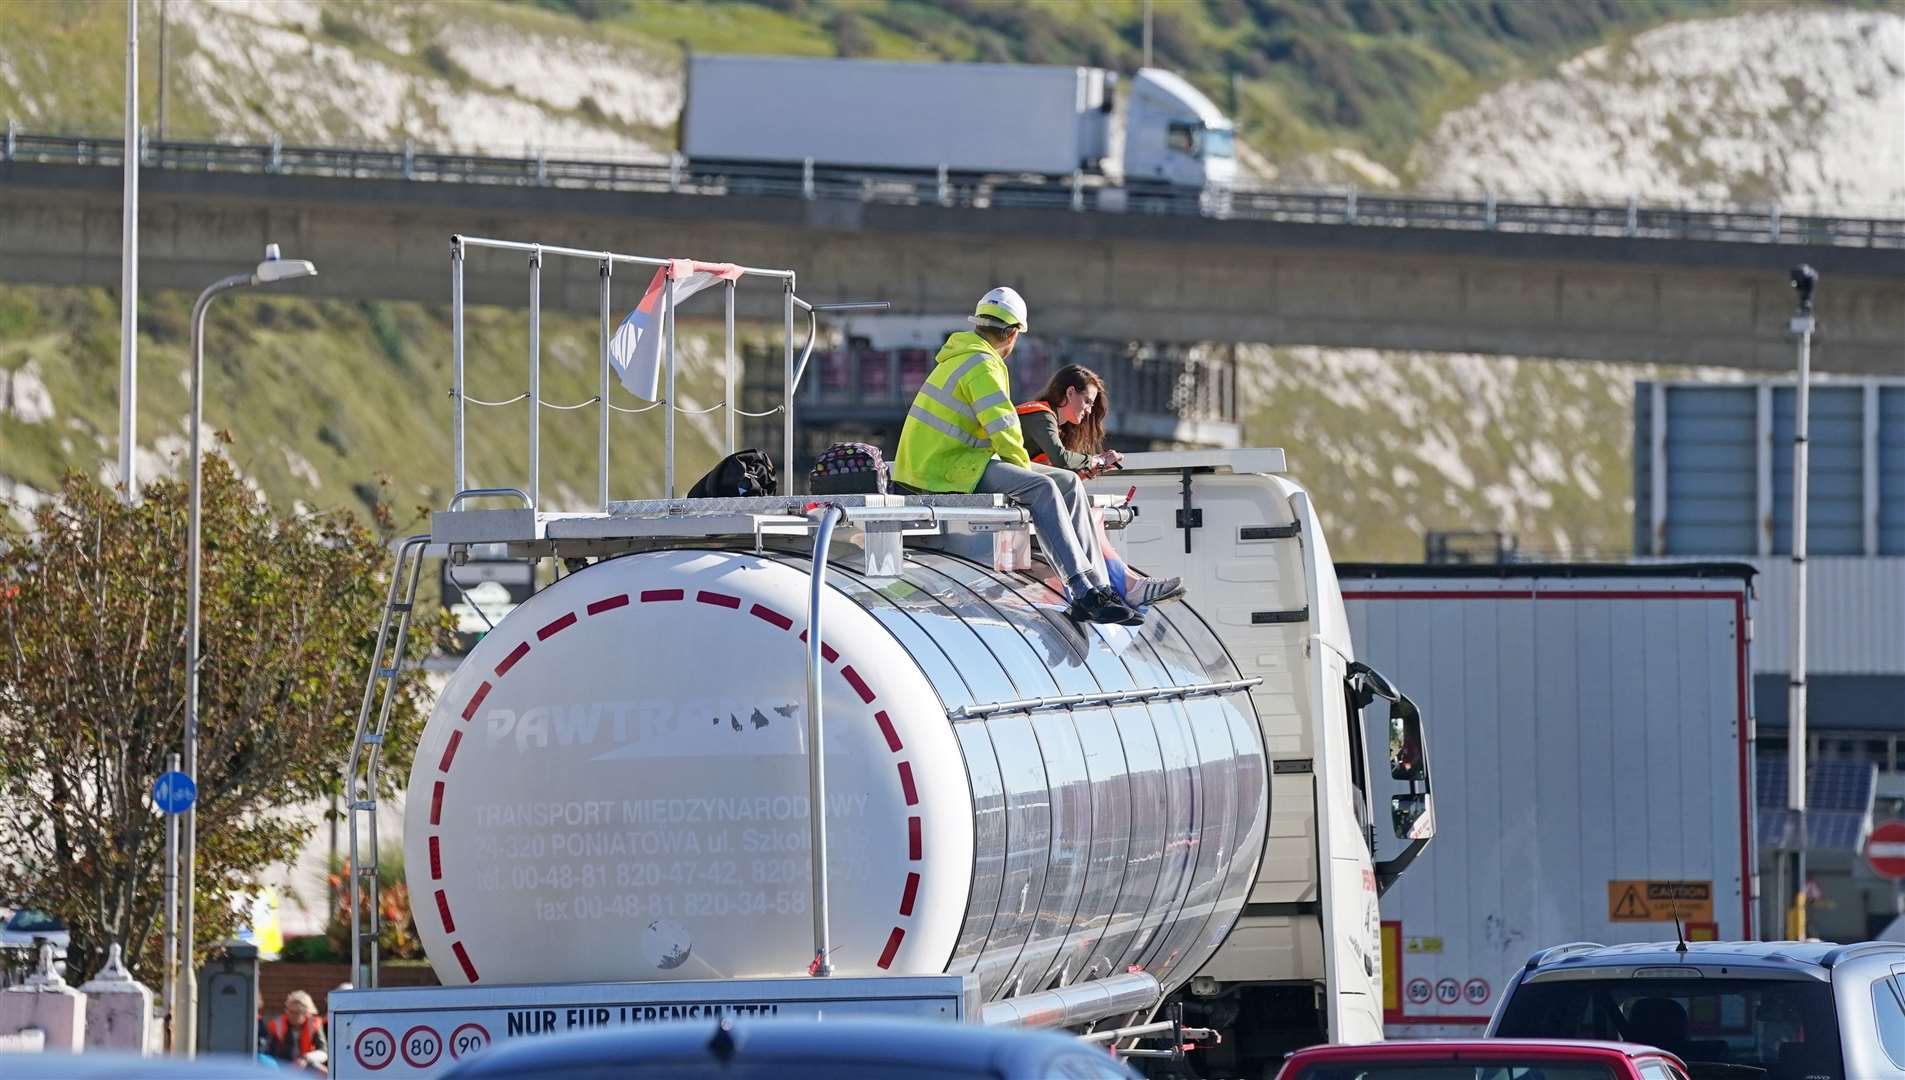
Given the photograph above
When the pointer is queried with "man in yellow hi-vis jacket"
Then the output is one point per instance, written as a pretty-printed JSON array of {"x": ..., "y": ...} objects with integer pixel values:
[{"x": 962, "y": 435}]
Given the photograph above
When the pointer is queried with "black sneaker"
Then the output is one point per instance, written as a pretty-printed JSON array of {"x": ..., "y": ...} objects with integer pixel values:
[{"x": 1101, "y": 605}]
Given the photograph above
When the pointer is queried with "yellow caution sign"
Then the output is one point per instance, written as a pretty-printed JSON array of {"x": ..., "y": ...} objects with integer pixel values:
[{"x": 1660, "y": 901}]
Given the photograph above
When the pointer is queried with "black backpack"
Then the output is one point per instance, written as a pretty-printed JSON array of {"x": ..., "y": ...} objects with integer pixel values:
[
  {"x": 742, "y": 473},
  {"x": 849, "y": 468}
]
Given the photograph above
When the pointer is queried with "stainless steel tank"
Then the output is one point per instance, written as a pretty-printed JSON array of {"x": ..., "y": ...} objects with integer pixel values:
[{"x": 613, "y": 784}]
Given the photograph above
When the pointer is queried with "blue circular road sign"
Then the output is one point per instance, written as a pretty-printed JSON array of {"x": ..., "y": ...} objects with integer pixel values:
[{"x": 173, "y": 792}]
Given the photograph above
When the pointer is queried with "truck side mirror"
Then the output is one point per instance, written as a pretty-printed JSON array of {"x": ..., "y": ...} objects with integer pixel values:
[
  {"x": 1406, "y": 758},
  {"x": 1413, "y": 815}
]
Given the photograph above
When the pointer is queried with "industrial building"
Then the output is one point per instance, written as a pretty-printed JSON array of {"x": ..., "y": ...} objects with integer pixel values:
[{"x": 1713, "y": 478}]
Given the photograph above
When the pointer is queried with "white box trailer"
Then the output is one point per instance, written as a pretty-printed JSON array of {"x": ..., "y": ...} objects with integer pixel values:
[
  {"x": 971, "y": 118},
  {"x": 1593, "y": 736}
]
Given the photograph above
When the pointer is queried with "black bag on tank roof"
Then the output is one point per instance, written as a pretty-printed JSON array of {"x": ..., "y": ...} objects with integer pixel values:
[
  {"x": 740, "y": 474},
  {"x": 849, "y": 468}
]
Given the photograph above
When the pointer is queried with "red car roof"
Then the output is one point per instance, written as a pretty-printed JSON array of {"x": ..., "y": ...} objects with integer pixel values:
[{"x": 1474, "y": 1050}]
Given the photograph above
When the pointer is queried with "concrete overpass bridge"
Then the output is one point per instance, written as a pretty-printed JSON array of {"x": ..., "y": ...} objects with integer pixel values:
[{"x": 1595, "y": 283}]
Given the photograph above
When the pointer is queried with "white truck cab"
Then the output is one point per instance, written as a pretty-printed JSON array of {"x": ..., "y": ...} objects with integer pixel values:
[
  {"x": 1304, "y": 962},
  {"x": 1175, "y": 136}
]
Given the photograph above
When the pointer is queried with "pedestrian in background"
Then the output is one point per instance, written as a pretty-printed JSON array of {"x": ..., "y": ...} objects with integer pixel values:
[{"x": 298, "y": 1035}]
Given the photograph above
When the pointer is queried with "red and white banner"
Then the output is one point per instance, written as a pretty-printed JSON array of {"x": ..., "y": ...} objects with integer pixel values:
[{"x": 635, "y": 350}]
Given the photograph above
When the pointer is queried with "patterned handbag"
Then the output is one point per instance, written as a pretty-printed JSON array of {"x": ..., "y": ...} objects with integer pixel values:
[{"x": 849, "y": 468}]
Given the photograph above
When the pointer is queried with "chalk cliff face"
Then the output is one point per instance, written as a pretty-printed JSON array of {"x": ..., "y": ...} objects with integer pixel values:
[
  {"x": 1802, "y": 108},
  {"x": 458, "y": 76},
  {"x": 1805, "y": 107}
]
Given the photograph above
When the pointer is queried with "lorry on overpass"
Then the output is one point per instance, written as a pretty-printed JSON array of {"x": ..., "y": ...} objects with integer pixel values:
[
  {"x": 784, "y": 755},
  {"x": 985, "y": 129},
  {"x": 1595, "y": 729}
]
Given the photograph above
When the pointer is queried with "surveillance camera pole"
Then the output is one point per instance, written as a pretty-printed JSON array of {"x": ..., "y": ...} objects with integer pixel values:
[{"x": 1804, "y": 279}]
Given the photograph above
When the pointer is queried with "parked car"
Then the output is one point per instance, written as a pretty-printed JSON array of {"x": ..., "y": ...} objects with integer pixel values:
[
  {"x": 843, "y": 1049},
  {"x": 1483, "y": 1059},
  {"x": 1779, "y": 1009},
  {"x": 26, "y": 928}
]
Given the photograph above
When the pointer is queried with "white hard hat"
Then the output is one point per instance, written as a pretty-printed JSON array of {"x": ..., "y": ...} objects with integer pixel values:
[{"x": 1002, "y": 308}]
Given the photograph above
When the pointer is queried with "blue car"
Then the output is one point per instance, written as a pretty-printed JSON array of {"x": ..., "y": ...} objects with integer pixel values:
[{"x": 845, "y": 1049}]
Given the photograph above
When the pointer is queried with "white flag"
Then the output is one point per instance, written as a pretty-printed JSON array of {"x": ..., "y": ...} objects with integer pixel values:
[{"x": 635, "y": 350}]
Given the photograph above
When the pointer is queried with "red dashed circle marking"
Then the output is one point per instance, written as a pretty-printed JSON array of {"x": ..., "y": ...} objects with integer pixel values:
[
  {"x": 607, "y": 603},
  {"x": 476, "y": 699},
  {"x": 449, "y": 751},
  {"x": 509, "y": 661},
  {"x": 914, "y": 839},
  {"x": 463, "y": 957},
  {"x": 769, "y": 615}
]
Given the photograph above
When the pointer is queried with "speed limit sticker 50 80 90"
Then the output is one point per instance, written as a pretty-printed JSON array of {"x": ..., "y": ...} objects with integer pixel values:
[
  {"x": 467, "y": 1040},
  {"x": 374, "y": 1048},
  {"x": 421, "y": 1046}
]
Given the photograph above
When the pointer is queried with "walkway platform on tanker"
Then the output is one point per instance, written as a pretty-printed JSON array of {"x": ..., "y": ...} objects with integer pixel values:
[
  {"x": 644, "y": 523},
  {"x": 875, "y": 523}
]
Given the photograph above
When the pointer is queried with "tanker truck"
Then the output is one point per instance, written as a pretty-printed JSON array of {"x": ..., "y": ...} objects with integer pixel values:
[{"x": 792, "y": 755}]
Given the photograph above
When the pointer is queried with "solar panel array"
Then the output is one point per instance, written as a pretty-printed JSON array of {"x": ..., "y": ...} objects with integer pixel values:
[{"x": 1838, "y": 804}]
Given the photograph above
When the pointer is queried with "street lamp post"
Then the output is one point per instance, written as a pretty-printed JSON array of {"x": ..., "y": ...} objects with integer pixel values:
[
  {"x": 1804, "y": 279},
  {"x": 272, "y": 269},
  {"x": 129, "y": 270}
]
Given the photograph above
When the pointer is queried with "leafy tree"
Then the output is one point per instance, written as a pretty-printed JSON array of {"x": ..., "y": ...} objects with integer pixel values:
[{"x": 92, "y": 665}]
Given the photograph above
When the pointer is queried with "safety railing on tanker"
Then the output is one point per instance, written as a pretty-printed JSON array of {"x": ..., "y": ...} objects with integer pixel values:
[
  {"x": 664, "y": 326},
  {"x": 805, "y": 180},
  {"x": 659, "y": 322}
]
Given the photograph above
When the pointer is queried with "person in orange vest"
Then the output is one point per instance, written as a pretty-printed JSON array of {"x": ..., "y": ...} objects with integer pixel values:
[
  {"x": 298, "y": 1035},
  {"x": 1065, "y": 427}
]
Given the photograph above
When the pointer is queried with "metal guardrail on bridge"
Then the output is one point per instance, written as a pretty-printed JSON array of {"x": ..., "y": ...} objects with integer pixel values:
[{"x": 806, "y": 181}]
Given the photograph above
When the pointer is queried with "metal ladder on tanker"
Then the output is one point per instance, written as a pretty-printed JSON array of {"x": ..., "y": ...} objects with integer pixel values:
[{"x": 361, "y": 775}]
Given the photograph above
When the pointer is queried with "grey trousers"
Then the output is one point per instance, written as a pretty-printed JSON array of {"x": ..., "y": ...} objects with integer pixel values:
[{"x": 1061, "y": 515}]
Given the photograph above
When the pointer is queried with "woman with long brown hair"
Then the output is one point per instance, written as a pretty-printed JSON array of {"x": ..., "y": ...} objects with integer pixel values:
[{"x": 1065, "y": 427}]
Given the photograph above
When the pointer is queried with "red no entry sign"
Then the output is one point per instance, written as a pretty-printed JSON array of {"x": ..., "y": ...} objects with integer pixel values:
[{"x": 1885, "y": 850}]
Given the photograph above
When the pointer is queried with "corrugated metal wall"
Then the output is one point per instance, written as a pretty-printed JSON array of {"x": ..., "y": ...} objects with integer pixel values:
[
  {"x": 1834, "y": 525},
  {"x": 1855, "y": 622},
  {"x": 1724, "y": 483},
  {"x": 1891, "y": 440}
]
